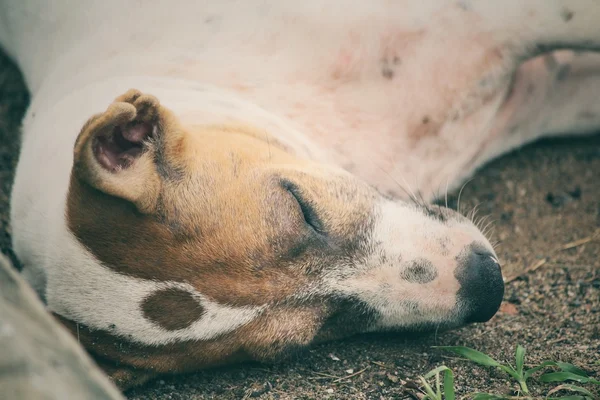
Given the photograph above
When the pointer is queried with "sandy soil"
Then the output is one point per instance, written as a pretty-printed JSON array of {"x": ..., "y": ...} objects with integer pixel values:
[{"x": 541, "y": 198}]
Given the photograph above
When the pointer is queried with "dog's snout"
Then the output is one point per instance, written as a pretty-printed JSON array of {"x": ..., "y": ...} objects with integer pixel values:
[{"x": 482, "y": 287}]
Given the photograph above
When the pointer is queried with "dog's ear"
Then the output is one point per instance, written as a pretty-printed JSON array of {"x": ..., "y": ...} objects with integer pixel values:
[{"x": 116, "y": 151}]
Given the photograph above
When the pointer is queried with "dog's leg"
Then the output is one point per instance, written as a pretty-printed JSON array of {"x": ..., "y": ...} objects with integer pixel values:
[
  {"x": 556, "y": 94},
  {"x": 540, "y": 25},
  {"x": 552, "y": 91}
]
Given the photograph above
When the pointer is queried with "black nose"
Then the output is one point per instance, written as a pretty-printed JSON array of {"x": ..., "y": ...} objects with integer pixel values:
[{"x": 482, "y": 287}]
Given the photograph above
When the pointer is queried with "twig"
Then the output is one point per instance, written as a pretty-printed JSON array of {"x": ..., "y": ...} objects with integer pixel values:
[
  {"x": 325, "y": 375},
  {"x": 351, "y": 375},
  {"x": 527, "y": 270},
  {"x": 567, "y": 246},
  {"x": 579, "y": 242},
  {"x": 562, "y": 339},
  {"x": 380, "y": 364}
]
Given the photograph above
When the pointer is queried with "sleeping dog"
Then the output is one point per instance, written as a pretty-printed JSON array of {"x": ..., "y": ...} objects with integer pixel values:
[{"x": 202, "y": 183}]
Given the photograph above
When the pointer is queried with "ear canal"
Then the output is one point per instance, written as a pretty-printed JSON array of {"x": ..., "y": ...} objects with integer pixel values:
[{"x": 114, "y": 152}]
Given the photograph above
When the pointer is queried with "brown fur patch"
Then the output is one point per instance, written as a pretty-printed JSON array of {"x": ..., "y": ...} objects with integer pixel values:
[{"x": 172, "y": 309}]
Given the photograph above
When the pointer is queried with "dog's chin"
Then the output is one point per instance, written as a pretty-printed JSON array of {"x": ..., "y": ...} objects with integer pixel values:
[{"x": 420, "y": 330}]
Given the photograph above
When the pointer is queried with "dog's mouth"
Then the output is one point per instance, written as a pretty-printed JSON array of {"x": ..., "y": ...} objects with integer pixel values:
[{"x": 122, "y": 146}]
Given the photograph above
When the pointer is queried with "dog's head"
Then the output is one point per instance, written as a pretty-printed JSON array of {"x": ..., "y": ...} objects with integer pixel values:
[{"x": 220, "y": 245}]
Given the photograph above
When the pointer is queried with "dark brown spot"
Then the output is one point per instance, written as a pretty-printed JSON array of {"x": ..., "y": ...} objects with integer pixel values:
[
  {"x": 426, "y": 119},
  {"x": 172, "y": 309},
  {"x": 387, "y": 66},
  {"x": 387, "y": 72},
  {"x": 566, "y": 14},
  {"x": 419, "y": 271}
]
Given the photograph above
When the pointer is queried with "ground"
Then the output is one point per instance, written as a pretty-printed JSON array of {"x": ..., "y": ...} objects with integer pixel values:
[{"x": 542, "y": 198}]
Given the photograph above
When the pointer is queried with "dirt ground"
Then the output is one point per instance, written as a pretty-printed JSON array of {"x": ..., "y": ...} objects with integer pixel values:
[{"x": 541, "y": 198}]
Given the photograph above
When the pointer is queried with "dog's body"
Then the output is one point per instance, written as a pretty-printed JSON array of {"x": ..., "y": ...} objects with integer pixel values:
[{"x": 390, "y": 92}]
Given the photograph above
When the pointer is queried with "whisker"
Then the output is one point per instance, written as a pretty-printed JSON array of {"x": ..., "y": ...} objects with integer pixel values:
[
  {"x": 435, "y": 194},
  {"x": 410, "y": 194},
  {"x": 488, "y": 225},
  {"x": 482, "y": 221},
  {"x": 411, "y": 191},
  {"x": 447, "y": 182},
  {"x": 473, "y": 213},
  {"x": 489, "y": 232},
  {"x": 460, "y": 193},
  {"x": 424, "y": 204},
  {"x": 269, "y": 146}
]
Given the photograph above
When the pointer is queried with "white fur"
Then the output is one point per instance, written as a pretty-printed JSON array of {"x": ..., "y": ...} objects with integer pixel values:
[
  {"x": 380, "y": 284},
  {"x": 83, "y": 290}
]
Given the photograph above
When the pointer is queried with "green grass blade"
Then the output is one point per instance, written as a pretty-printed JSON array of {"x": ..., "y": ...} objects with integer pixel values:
[
  {"x": 562, "y": 377},
  {"x": 436, "y": 371},
  {"x": 520, "y": 359},
  {"x": 449, "y": 385},
  {"x": 572, "y": 388},
  {"x": 473, "y": 355},
  {"x": 573, "y": 397},
  {"x": 428, "y": 390},
  {"x": 529, "y": 373},
  {"x": 566, "y": 367}
]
